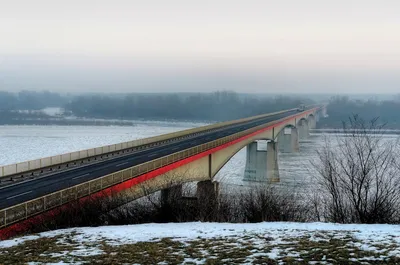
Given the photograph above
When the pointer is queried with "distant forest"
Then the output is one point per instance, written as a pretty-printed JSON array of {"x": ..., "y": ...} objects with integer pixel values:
[
  {"x": 218, "y": 106},
  {"x": 31, "y": 100},
  {"x": 212, "y": 107}
]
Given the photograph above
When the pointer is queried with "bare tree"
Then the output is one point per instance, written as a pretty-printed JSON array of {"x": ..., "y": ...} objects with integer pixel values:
[{"x": 358, "y": 176}]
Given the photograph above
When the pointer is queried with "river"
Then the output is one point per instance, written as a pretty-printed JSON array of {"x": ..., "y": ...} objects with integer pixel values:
[{"x": 21, "y": 143}]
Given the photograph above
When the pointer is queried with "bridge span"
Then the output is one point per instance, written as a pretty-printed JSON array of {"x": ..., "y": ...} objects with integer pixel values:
[{"x": 33, "y": 190}]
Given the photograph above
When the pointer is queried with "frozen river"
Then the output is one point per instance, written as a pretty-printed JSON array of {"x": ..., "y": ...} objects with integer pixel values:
[{"x": 21, "y": 143}]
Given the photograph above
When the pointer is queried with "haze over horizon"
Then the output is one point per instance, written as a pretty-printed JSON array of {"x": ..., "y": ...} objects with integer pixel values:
[{"x": 251, "y": 46}]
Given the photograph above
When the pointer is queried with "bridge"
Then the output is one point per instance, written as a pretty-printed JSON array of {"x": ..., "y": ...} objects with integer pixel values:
[{"x": 33, "y": 190}]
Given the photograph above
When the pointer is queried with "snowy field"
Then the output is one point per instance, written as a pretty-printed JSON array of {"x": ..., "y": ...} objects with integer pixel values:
[{"x": 210, "y": 243}]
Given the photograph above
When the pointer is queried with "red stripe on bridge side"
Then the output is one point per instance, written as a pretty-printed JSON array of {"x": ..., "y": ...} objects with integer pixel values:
[{"x": 24, "y": 225}]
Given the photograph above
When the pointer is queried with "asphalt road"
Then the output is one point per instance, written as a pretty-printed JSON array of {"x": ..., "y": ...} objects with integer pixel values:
[{"x": 28, "y": 190}]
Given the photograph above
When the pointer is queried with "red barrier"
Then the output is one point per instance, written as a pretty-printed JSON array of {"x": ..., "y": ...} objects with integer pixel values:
[{"x": 22, "y": 226}]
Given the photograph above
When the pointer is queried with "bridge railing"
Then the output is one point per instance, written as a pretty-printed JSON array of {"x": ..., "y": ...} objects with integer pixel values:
[
  {"x": 56, "y": 160},
  {"x": 36, "y": 206}
]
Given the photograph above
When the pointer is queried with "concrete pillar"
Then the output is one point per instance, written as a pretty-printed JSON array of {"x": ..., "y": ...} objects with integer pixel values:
[
  {"x": 317, "y": 116},
  {"x": 288, "y": 140},
  {"x": 303, "y": 130},
  {"x": 262, "y": 165},
  {"x": 207, "y": 200},
  {"x": 323, "y": 112},
  {"x": 170, "y": 194},
  {"x": 272, "y": 162},
  {"x": 312, "y": 123},
  {"x": 207, "y": 190},
  {"x": 256, "y": 163}
]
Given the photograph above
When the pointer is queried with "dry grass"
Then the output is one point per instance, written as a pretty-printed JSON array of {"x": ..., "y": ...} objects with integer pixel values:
[{"x": 321, "y": 247}]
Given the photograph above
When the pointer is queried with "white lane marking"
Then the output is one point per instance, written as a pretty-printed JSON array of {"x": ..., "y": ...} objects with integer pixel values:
[
  {"x": 151, "y": 155},
  {"x": 18, "y": 195},
  {"x": 121, "y": 164},
  {"x": 81, "y": 176}
]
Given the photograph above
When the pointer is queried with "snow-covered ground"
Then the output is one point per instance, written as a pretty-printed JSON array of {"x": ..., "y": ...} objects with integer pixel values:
[{"x": 199, "y": 243}]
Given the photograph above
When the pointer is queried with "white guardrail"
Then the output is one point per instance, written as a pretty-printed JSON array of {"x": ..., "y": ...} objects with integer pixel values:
[{"x": 31, "y": 165}]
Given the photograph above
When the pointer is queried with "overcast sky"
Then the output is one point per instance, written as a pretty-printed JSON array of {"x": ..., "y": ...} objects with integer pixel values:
[{"x": 157, "y": 45}]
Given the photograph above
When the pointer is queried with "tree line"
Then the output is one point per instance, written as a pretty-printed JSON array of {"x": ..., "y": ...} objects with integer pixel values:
[
  {"x": 225, "y": 105},
  {"x": 217, "y": 106},
  {"x": 340, "y": 107},
  {"x": 31, "y": 100}
]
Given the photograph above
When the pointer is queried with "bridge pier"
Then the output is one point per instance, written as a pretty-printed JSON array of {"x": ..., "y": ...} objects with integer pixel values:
[
  {"x": 312, "y": 123},
  {"x": 288, "y": 140},
  {"x": 323, "y": 111},
  {"x": 170, "y": 194},
  {"x": 262, "y": 165},
  {"x": 207, "y": 190},
  {"x": 304, "y": 130}
]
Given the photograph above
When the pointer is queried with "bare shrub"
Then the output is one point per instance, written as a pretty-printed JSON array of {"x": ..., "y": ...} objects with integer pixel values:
[
  {"x": 273, "y": 203},
  {"x": 90, "y": 212},
  {"x": 262, "y": 203},
  {"x": 358, "y": 175}
]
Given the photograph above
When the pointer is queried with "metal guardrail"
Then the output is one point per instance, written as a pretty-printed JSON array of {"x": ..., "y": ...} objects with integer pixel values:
[
  {"x": 33, "y": 207},
  {"x": 27, "y": 166}
]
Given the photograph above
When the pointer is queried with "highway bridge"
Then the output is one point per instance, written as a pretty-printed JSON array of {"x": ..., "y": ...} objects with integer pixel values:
[{"x": 32, "y": 190}]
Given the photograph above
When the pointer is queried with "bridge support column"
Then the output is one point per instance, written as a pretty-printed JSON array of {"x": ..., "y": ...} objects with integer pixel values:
[
  {"x": 303, "y": 130},
  {"x": 262, "y": 165},
  {"x": 323, "y": 112},
  {"x": 312, "y": 123},
  {"x": 170, "y": 194},
  {"x": 272, "y": 162},
  {"x": 207, "y": 191},
  {"x": 288, "y": 140}
]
